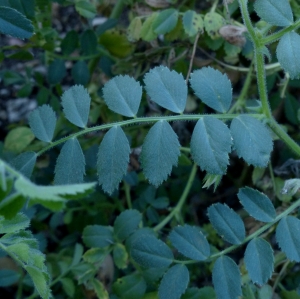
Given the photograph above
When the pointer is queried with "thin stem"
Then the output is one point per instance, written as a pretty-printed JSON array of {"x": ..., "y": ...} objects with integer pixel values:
[
  {"x": 192, "y": 58},
  {"x": 128, "y": 196},
  {"x": 279, "y": 276},
  {"x": 181, "y": 201}
]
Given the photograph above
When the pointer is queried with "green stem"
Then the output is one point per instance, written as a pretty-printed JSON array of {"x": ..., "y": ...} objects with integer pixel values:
[
  {"x": 117, "y": 10},
  {"x": 140, "y": 120},
  {"x": 181, "y": 201},
  {"x": 128, "y": 196}
]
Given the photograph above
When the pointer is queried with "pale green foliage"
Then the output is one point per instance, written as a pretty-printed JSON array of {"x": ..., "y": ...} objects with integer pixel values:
[
  {"x": 165, "y": 21},
  {"x": 192, "y": 22}
]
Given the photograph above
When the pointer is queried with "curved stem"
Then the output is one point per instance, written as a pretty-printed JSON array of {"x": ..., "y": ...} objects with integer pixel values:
[{"x": 181, "y": 201}]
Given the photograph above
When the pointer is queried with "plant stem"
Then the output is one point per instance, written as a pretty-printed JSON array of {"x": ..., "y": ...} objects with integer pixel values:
[
  {"x": 192, "y": 57},
  {"x": 181, "y": 201},
  {"x": 128, "y": 196},
  {"x": 117, "y": 10}
]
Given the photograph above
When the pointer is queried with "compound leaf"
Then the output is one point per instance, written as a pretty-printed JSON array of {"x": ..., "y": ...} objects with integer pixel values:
[
  {"x": 211, "y": 144},
  {"x": 226, "y": 278},
  {"x": 126, "y": 223},
  {"x": 287, "y": 51},
  {"x": 98, "y": 236},
  {"x": 13, "y": 23},
  {"x": 42, "y": 122},
  {"x": 259, "y": 260},
  {"x": 20, "y": 221},
  {"x": 213, "y": 88},
  {"x": 165, "y": 21},
  {"x": 122, "y": 95},
  {"x": 174, "y": 282},
  {"x": 189, "y": 241},
  {"x": 113, "y": 158},
  {"x": 76, "y": 105},
  {"x": 24, "y": 163},
  {"x": 252, "y": 140},
  {"x": 274, "y": 12},
  {"x": 150, "y": 252},
  {"x": 192, "y": 23},
  {"x": 70, "y": 164},
  {"x": 160, "y": 152},
  {"x": 257, "y": 204},
  {"x": 166, "y": 88},
  {"x": 227, "y": 223},
  {"x": 287, "y": 235}
]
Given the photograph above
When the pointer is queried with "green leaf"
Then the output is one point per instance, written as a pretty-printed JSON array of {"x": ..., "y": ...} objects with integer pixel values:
[
  {"x": 18, "y": 139},
  {"x": 134, "y": 29},
  {"x": 70, "y": 164},
  {"x": 113, "y": 159},
  {"x": 70, "y": 42},
  {"x": 68, "y": 286},
  {"x": 174, "y": 282},
  {"x": 126, "y": 223},
  {"x": 99, "y": 289},
  {"x": 287, "y": 236},
  {"x": 76, "y": 104},
  {"x": 42, "y": 122},
  {"x": 147, "y": 32},
  {"x": 192, "y": 23},
  {"x": 88, "y": 42},
  {"x": 78, "y": 251},
  {"x": 123, "y": 95},
  {"x": 213, "y": 88},
  {"x": 56, "y": 71},
  {"x": 257, "y": 204},
  {"x": 160, "y": 152},
  {"x": 165, "y": 21},
  {"x": 24, "y": 163},
  {"x": 96, "y": 255},
  {"x": 12, "y": 204},
  {"x": 80, "y": 72},
  {"x": 189, "y": 241},
  {"x": 40, "y": 281},
  {"x": 226, "y": 278},
  {"x": 130, "y": 287},
  {"x": 51, "y": 193},
  {"x": 14, "y": 23},
  {"x": 211, "y": 144},
  {"x": 259, "y": 260},
  {"x": 212, "y": 23},
  {"x": 85, "y": 9},
  {"x": 274, "y": 12},
  {"x": 203, "y": 293},
  {"x": 166, "y": 88},
  {"x": 252, "y": 140},
  {"x": 291, "y": 109},
  {"x": 8, "y": 277},
  {"x": 98, "y": 236},
  {"x": 120, "y": 256},
  {"x": 150, "y": 252},
  {"x": 286, "y": 52},
  {"x": 20, "y": 221},
  {"x": 227, "y": 223}
]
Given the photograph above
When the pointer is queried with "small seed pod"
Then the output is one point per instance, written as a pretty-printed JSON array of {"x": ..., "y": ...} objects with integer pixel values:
[{"x": 233, "y": 34}]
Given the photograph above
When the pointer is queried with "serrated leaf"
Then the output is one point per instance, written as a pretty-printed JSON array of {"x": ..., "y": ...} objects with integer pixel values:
[
  {"x": 20, "y": 221},
  {"x": 189, "y": 241},
  {"x": 160, "y": 152},
  {"x": 51, "y": 193},
  {"x": 259, "y": 260},
  {"x": 227, "y": 223},
  {"x": 166, "y": 88},
  {"x": 130, "y": 287},
  {"x": 85, "y": 9},
  {"x": 56, "y": 71},
  {"x": 212, "y": 23},
  {"x": 14, "y": 23},
  {"x": 98, "y": 236},
  {"x": 257, "y": 204},
  {"x": 8, "y": 277},
  {"x": 24, "y": 163},
  {"x": 165, "y": 21},
  {"x": 122, "y": 95},
  {"x": 70, "y": 164},
  {"x": 126, "y": 223},
  {"x": 286, "y": 52},
  {"x": 287, "y": 236},
  {"x": 274, "y": 12},
  {"x": 42, "y": 122},
  {"x": 113, "y": 158},
  {"x": 80, "y": 72},
  {"x": 211, "y": 144},
  {"x": 150, "y": 252},
  {"x": 213, "y": 88},
  {"x": 226, "y": 278},
  {"x": 120, "y": 256},
  {"x": 76, "y": 105},
  {"x": 174, "y": 282},
  {"x": 192, "y": 23},
  {"x": 252, "y": 140}
]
